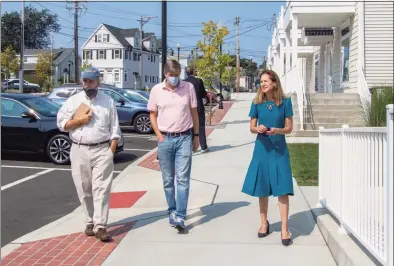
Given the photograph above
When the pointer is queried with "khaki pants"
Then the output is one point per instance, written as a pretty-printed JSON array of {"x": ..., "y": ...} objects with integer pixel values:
[{"x": 92, "y": 170}]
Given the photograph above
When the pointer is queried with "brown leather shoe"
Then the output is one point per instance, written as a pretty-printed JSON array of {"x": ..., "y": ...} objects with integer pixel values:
[
  {"x": 89, "y": 230},
  {"x": 103, "y": 235}
]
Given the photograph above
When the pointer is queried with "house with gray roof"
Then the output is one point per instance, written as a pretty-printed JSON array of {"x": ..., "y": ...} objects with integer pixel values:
[
  {"x": 116, "y": 52},
  {"x": 63, "y": 61}
]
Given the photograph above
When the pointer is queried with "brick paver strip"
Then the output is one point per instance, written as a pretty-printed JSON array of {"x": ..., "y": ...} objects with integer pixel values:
[
  {"x": 151, "y": 161},
  {"x": 124, "y": 199},
  {"x": 74, "y": 249}
]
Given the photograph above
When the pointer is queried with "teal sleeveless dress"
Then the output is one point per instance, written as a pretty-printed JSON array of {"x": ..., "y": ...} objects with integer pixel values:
[{"x": 269, "y": 172}]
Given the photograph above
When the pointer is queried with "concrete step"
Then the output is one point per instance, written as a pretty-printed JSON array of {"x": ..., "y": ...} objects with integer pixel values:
[
  {"x": 333, "y": 107},
  {"x": 330, "y": 96},
  {"x": 344, "y": 120},
  {"x": 327, "y": 113},
  {"x": 305, "y": 133},
  {"x": 325, "y": 96},
  {"x": 314, "y": 102},
  {"x": 328, "y": 125}
]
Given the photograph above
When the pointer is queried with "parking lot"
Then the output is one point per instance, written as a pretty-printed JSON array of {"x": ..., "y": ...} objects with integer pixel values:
[{"x": 35, "y": 192}]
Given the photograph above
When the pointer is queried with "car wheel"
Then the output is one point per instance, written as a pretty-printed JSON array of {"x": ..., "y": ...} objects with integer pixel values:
[
  {"x": 142, "y": 124},
  {"x": 219, "y": 98},
  {"x": 32, "y": 90},
  {"x": 58, "y": 149}
]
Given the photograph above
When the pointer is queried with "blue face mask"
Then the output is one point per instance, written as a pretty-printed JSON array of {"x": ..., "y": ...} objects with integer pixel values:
[{"x": 173, "y": 81}]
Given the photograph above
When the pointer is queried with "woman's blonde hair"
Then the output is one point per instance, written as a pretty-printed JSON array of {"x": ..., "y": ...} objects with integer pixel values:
[{"x": 278, "y": 91}]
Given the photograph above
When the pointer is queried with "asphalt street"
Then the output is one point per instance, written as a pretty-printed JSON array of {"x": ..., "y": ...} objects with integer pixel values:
[{"x": 36, "y": 192}]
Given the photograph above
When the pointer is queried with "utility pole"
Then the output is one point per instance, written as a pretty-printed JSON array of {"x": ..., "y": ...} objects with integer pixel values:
[
  {"x": 163, "y": 36},
  {"x": 238, "y": 52},
  {"x": 220, "y": 71},
  {"x": 142, "y": 23},
  {"x": 76, "y": 58},
  {"x": 52, "y": 81},
  {"x": 21, "y": 57}
]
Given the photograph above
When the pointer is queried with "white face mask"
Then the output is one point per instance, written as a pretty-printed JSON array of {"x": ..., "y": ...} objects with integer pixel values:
[{"x": 173, "y": 81}]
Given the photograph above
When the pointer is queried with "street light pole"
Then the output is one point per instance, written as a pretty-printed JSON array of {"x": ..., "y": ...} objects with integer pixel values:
[
  {"x": 22, "y": 47},
  {"x": 142, "y": 23},
  {"x": 163, "y": 37},
  {"x": 179, "y": 48}
]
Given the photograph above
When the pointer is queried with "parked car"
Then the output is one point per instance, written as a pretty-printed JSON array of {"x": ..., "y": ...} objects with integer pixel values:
[
  {"x": 28, "y": 124},
  {"x": 210, "y": 96},
  {"x": 225, "y": 93},
  {"x": 131, "y": 104},
  {"x": 13, "y": 84}
]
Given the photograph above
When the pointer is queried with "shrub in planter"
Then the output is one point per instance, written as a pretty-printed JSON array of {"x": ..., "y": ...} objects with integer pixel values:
[{"x": 376, "y": 109}]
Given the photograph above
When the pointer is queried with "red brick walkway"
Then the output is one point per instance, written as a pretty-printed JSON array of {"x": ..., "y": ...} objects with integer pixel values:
[
  {"x": 151, "y": 162},
  {"x": 75, "y": 249}
]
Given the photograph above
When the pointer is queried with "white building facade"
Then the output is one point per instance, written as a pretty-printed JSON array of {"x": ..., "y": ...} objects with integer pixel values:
[
  {"x": 116, "y": 53},
  {"x": 333, "y": 47}
]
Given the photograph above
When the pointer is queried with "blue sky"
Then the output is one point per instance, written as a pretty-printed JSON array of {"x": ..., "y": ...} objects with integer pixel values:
[{"x": 184, "y": 21}]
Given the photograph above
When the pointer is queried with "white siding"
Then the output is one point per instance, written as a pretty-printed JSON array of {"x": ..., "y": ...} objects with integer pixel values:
[
  {"x": 379, "y": 42},
  {"x": 92, "y": 44},
  {"x": 353, "y": 49}
]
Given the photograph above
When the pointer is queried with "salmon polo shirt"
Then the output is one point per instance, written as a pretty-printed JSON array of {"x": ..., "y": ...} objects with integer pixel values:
[{"x": 173, "y": 106}]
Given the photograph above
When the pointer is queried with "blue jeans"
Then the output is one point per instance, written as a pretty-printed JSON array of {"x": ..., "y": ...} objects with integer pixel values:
[{"x": 175, "y": 158}]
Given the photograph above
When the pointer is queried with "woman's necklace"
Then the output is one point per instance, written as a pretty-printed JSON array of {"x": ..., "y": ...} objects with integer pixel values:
[{"x": 269, "y": 105}]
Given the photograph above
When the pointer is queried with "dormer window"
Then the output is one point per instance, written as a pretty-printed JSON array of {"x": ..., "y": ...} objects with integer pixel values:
[{"x": 102, "y": 38}]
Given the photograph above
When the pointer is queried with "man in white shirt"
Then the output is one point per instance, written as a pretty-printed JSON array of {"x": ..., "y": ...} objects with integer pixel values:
[{"x": 95, "y": 133}]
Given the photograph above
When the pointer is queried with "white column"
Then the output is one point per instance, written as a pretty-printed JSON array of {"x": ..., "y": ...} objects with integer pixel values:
[
  {"x": 326, "y": 74},
  {"x": 389, "y": 242},
  {"x": 322, "y": 67},
  {"x": 281, "y": 57},
  {"x": 294, "y": 49},
  {"x": 288, "y": 49},
  {"x": 336, "y": 61}
]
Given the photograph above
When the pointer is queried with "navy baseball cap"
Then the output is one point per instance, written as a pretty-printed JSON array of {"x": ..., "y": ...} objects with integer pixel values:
[{"x": 90, "y": 73}]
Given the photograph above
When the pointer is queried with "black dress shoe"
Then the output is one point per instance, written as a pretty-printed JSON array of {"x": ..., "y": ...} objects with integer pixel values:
[
  {"x": 286, "y": 242},
  {"x": 260, "y": 235},
  {"x": 89, "y": 230}
]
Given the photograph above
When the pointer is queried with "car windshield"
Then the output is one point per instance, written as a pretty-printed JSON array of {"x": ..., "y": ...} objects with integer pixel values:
[
  {"x": 133, "y": 96},
  {"x": 144, "y": 94},
  {"x": 43, "y": 106}
]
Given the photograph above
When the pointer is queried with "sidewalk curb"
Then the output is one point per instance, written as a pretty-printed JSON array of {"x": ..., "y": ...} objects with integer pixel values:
[
  {"x": 13, "y": 245},
  {"x": 343, "y": 248},
  {"x": 125, "y": 171},
  {"x": 7, "y": 249}
]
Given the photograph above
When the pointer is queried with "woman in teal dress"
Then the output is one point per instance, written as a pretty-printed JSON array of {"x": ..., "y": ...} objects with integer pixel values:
[{"x": 269, "y": 173}]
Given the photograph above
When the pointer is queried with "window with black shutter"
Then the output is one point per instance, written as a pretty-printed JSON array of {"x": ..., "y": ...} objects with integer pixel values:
[{"x": 95, "y": 38}]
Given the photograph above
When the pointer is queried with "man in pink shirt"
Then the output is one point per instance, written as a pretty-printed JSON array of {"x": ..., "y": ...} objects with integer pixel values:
[{"x": 174, "y": 118}]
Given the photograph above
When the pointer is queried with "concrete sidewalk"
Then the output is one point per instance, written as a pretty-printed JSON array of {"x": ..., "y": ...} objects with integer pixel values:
[{"x": 222, "y": 222}]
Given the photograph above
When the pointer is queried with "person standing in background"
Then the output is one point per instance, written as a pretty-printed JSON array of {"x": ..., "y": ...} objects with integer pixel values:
[{"x": 201, "y": 93}]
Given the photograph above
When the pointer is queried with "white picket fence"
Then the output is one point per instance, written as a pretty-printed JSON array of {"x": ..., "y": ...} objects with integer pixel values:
[{"x": 356, "y": 183}]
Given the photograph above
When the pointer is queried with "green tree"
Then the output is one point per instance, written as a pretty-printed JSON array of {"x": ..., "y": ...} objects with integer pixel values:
[
  {"x": 211, "y": 63},
  {"x": 9, "y": 61},
  {"x": 85, "y": 65},
  {"x": 229, "y": 76},
  {"x": 44, "y": 70},
  {"x": 38, "y": 26}
]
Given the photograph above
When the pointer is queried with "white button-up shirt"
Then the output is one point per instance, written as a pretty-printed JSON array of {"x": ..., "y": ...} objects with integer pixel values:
[{"x": 104, "y": 124}]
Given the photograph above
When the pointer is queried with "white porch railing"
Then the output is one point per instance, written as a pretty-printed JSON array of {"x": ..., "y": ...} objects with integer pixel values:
[
  {"x": 362, "y": 87},
  {"x": 292, "y": 81},
  {"x": 356, "y": 183}
]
